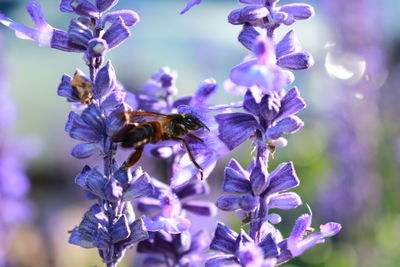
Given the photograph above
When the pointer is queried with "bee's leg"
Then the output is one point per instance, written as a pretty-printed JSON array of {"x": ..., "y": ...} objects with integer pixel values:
[
  {"x": 190, "y": 155},
  {"x": 133, "y": 158},
  {"x": 195, "y": 137}
]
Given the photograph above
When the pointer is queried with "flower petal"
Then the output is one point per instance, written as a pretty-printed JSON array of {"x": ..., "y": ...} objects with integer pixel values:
[
  {"x": 129, "y": 17},
  {"x": 85, "y": 150},
  {"x": 285, "y": 201},
  {"x": 206, "y": 89},
  {"x": 235, "y": 128},
  {"x": 282, "y": 178},
  {"x": 120, "y": 230},
  {"x": 289, "y": 44},
  {"x": 105, "y": 80},
  {"x": 291, "y": 103},
  {"x": 296, "y": 61},
  {"x": 228, "y": 202},
  {"x": 117, "y": 33},
  {"x": 139, "y": 188},
  {"x": 248, "y": 36},
  {"x": 236, "y": 182},
  {"x": 224, "y": 239},
  {"x": 104, "y": 5},
  {"x": 288, "y": 125}
]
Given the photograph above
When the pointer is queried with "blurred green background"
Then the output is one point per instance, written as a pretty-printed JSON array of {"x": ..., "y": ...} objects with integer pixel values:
[{"x": 347, "y": 155}]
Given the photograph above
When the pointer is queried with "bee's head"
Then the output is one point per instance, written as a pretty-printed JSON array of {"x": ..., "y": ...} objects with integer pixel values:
[{"x": 192, "y": 122}]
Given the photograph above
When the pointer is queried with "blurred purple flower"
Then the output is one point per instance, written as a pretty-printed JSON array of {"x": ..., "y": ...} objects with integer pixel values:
[{"x": 189, "y": 5}]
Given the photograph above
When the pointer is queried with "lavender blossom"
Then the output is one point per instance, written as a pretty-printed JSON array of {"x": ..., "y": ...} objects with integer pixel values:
[
  {"x": 110, "y": 225},
  {"x": 171, "y": 243},
  {"x": 15, "y": 208},
  {"x": 270, "y": 114}
]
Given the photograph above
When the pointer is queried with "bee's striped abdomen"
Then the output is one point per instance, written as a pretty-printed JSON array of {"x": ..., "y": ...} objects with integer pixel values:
[{"x": 143, "y": 134}]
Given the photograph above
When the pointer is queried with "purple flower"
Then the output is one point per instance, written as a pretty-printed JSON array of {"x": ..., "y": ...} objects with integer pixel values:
[
  {"x": 268, "y": 119},
  {"x": 82, "y": 35},
  {"x": 254, "y": 186},
  {"x": 104, "y": 227},
  {"x": 169, "y": 205},
  {"x": 272, "y": 249},
  {"x": 182, "y": 249}
]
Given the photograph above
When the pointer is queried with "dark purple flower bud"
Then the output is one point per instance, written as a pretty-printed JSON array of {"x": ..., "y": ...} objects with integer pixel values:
[
  {"x": 291, "y": 103},
  {"x": 139, "y": 188},
  {"x": 282, "y": 178},
  {"x": 202, "y": 208},
  {"x": 250, "y": 104},
  {"x": 117, "y": 33},
  {"x": 269, "y": 247},
  {"x": 248, "y": 36},
  {"x": 120, "y": 230},
  {"x": 235, "y": 128},
  {"x": 105, "y": 81},
  {"x": 78, "y": 33},
  {"x": 79, "y": 7},
  {"x": 224, "y": 239},
  {"x": 104, "y": 5},
  {"x": 236, "y": 182},
  {"x": 60, "y": 41},
  {"x": 288, "y": 125},
  {"x": 97, "y": 47},
  {"x": 228, "y": 202},
  {"x": 224, "y": 260},
  {"x": 288, "y": 45},
  {"x": 85, "y": 150},
  {"x": 249, "y": 202},
  {"x": 206, "y": 89},
  {"x": 129, "y": 17},
  {"x": 296, "y": 61},
  {"x": 270, "y": 105},
  {"x": 285, "y": 201},
  {"x": 189, "y": 5}
]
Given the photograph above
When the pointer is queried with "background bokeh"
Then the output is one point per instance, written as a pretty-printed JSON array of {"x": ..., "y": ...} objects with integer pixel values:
[{"x": 347, "y": 156}]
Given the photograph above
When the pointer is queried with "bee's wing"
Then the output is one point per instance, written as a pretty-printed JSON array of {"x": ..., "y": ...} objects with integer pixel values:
[{"x": 136, "y": 116}]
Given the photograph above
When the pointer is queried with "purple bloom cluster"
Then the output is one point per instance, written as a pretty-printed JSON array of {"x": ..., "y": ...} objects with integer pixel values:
[
  {"x": 14, "y": 183},
  {"x": 164, "y": 233},
  {"x": 269, "y": 115},
  {"x": 109, "y": 225}
]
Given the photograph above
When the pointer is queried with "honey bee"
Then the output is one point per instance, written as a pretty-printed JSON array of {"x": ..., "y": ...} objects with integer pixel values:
[{"x": 143, "y": 128}]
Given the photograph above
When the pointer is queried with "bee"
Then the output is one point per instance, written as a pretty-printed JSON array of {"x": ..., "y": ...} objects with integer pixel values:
[{"x": 143, "y": 128}]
